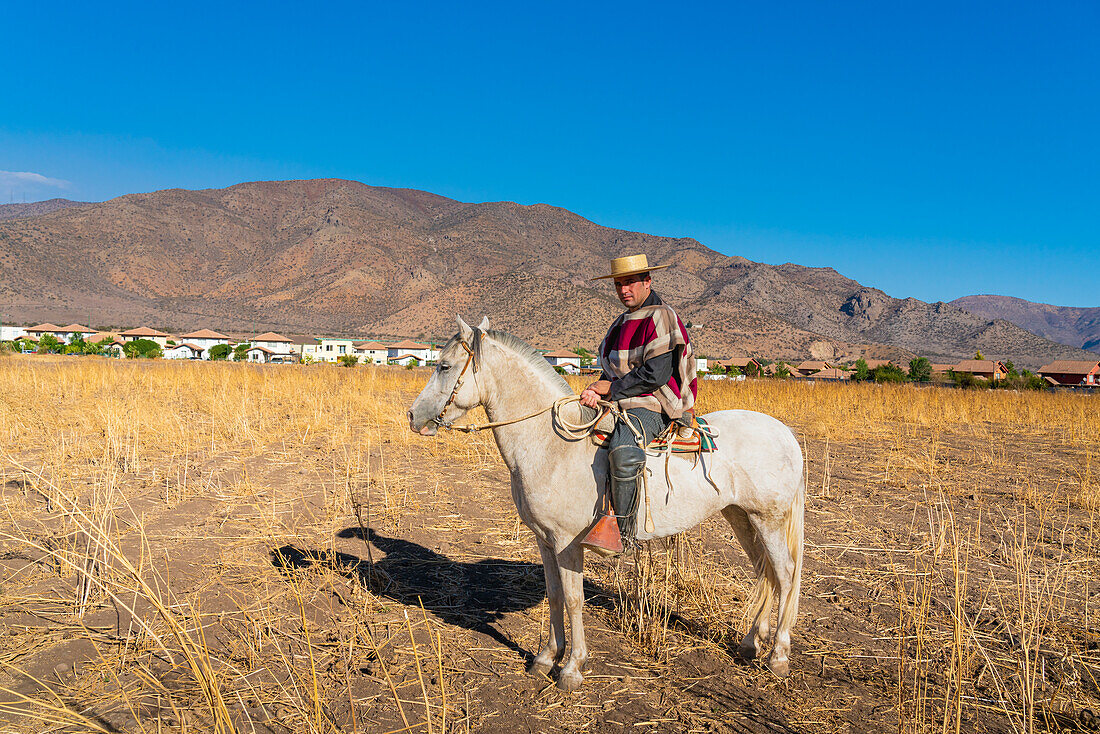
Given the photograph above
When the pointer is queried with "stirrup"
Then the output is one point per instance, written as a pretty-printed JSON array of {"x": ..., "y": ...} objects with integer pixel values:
[{"x": 604, "y": 538}]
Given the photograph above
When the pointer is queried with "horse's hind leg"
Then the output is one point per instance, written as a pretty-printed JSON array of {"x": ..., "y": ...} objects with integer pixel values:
[
  {"x": 760, "y": 604},
  {"x": 555, "y": 641},
  {"x": 773, "y": 534}
]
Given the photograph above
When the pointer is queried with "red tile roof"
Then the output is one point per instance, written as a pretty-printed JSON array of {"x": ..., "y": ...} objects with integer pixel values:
[
  {"x": 562, "y": 354},
  {"x": 408, "y": 344},
  {"x": 43, "y": 327},
  {"x": 370, "y": 346},
  {"x": 204, "y": 334},
  {"x": 143, "y": 331},
  {"x": 270, "y": 336},
  {"x": 975, "y": 366},
  {"x": 1070, "y": 367},
  {"x": 76, "y": 329}
]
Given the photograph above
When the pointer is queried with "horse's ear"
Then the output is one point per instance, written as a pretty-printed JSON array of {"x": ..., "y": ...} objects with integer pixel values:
[
  {"x": 475, "y": 353},
  {"x": 465, "y": 333},
  {"x": 484, "y": 325}
]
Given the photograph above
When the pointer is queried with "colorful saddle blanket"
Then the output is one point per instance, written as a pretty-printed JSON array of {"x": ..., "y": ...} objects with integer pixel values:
[{"x": 684, "y": 440}]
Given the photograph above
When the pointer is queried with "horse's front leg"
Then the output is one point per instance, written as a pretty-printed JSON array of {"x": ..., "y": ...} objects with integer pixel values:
[
  {"x": 555, "y": 642},
  {"x": 571, "y": 567}
]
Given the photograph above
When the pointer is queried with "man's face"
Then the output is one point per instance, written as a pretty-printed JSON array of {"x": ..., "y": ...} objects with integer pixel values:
[{"x": 633, "y": 289}]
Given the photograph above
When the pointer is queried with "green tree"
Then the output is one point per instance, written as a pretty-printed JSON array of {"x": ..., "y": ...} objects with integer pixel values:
[
  {"x": 348, "y": 360},
  {"x": 1012, "y": 373},
  {"x": 142, "y": 349},
  {"x": 219, "y": 351},
  {"x": 782, "y": 370},
  {"x": 920, "y": 369},
  {"x": 978, "y": 355},
  {"x": 49, "y": 344},
  {"x": 733, "y": 371},
  {"x": 888, "y": 373},
  {"x": 75, "y": 345},
  {"x": 586, "y": 356},
  {"x": 96, "y": 347},
  {"x": 240, "y": 351},
  {"x": 862, "y": 374}
]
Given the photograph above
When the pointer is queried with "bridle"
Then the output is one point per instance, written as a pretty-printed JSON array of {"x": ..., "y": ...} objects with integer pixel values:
[{"x": 438, "y": 420}]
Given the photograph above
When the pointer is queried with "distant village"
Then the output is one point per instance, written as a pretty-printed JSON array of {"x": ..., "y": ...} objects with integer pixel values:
[{"x": 272, "y": 348}]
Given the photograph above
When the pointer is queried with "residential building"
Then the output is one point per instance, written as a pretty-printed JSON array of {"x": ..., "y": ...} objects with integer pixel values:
[
  {"x": 744, "y": 364},
  {"x": 303, "y": 345},
  {"x": 371, "y": 352},
  {"x": 830, "y": 374},
  {"x": 565, "y": 359},
  {"x": 11, "y": 333},
  {"x": 810, "y": 366},
  {"x": 986, "y": 369},
  {"x": 274, "y": 343},
  {"x": 185, "y": 351},
  {"x": 205, "y": 339},
  {"x": 331, "y": 349},
  {"x": 400, "y": 352},
  {"x": 144, "y": 332},
  {"x": 264, "y": 355},
  {"x": 38, "y": 331},
  {"x": 1071, "y": 372}
]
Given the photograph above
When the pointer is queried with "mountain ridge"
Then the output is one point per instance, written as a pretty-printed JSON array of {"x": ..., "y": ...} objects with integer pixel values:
[
  {"x": 328, "y": 255},
  {"x": 1071, "y": 325}
]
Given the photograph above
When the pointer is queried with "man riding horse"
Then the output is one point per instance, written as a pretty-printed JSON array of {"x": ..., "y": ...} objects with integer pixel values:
[{"x": 649, "y": 370}]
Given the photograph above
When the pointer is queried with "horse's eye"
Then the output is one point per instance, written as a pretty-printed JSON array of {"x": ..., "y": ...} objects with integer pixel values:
[{"x": 444, "y": 367}]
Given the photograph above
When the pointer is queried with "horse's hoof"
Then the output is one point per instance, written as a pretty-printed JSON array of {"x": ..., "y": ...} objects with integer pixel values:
[
  {"x": 746, "y": 652},
  {"x": 569, "y": 682},
  {"x": 782, "y": 668},
  {"x": 537, "y": 667}
]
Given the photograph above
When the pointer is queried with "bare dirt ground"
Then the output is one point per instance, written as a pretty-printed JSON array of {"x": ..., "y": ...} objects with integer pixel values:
[{"x": 205, "y": 547}]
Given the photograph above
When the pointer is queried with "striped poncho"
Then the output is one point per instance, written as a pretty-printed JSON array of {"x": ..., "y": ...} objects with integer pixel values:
[{"x": 640, "y": 336}]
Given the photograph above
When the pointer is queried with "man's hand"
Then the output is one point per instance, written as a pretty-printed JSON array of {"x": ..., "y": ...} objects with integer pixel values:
[{"x": 591, "y": 395}]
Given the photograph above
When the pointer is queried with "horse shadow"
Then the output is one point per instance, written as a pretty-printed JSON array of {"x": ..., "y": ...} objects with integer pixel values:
[{"x": 472, "y": 595}]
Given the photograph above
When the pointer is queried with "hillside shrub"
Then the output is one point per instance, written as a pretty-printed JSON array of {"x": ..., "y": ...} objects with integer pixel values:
[
  {"x": 219, "y": 351},
  {"x": 348, "y": 360}
]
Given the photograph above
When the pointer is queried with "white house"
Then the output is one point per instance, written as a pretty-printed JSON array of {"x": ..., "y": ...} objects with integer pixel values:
[
  {"x": 274, "y": 343},
  {"x": 372, "y": 352},
  {"x": 144, "y": 332},
  {"x": 204, "y": 339},
  {"x": 565, "y": 359},
  {"x": 303, "y": 345},
  {"x": 263, "y": 355},
  {"x": 330, "y": 349},
  {"x": 11, "y": 333},
  {"x": 37, "y": 332},
  {"x": 184, "y": 351},
  {"x": 66, "y": 333},
  {"x": 405, "y": 351}
]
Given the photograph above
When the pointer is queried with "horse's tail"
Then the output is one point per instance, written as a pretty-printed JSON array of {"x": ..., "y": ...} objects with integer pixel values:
[{"x": 795, "y": 537}]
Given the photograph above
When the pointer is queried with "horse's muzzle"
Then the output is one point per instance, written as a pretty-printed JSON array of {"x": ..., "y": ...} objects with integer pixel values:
[{"x": 428, "y": 429}]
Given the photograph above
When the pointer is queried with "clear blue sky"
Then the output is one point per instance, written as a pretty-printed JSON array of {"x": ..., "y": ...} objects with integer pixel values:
[{"x": 928, "y": 149}]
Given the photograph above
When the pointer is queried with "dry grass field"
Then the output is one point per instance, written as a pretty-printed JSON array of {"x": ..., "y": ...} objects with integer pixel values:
[{"x": 234, "y": 548}]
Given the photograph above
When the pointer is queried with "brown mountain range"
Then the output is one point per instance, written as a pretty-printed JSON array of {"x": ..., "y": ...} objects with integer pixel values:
[
  {"x": 36, "y": 208},
  {"x": 1077, "y": 327},
  {"x": 342, "y": 257}
]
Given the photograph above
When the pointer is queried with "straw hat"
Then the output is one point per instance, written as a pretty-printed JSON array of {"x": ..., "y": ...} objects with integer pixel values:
[{"x": 629, "y": 265}]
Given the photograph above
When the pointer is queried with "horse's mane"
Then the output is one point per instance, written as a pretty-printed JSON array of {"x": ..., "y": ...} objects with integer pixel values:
[{"x": 522, "y": 349}]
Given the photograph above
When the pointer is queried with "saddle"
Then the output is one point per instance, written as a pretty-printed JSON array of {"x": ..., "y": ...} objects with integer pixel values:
[{"x": 677, "y": 438}]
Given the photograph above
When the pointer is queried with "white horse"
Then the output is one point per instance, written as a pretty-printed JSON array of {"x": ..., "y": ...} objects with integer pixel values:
[{"x": 558, "y": 481}]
